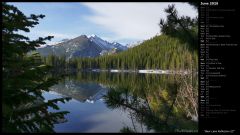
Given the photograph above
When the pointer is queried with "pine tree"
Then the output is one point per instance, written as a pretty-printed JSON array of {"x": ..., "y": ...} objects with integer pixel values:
[
  {"x": 182, "y": 27},
  {"x": 24, "y": 77}
]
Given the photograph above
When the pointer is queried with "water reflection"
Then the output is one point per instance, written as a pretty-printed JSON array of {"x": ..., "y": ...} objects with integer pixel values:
[
  {"x": 146, "y": 103},
  {"x": 81, "y": 91}
]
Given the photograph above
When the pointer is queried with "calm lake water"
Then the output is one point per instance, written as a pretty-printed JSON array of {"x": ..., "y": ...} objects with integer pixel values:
[{"x": 124, "y": 102}]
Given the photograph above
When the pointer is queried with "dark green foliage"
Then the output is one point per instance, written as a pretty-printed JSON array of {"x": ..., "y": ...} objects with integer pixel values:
[
  {"x": 126, "y": 130},
  {"x": 182, "y": 27},
  {"x": 113, "y": 99},
  {"x": 24, "y": 77}
]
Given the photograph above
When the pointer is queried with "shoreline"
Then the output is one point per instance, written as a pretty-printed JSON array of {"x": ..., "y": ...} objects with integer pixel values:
[{"x": 144, "y": 71}]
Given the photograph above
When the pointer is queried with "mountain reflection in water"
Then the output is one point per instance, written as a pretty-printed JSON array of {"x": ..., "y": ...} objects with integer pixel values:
[{"x": 123, "y": 102}]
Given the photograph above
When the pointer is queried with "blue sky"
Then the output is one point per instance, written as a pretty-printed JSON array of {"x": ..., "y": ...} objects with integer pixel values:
[{"x": 121, "y": 22}]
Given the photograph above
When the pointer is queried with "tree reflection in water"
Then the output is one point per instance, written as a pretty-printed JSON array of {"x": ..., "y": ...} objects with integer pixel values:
[
  {"x": 161, "y": 110},
  {"x": 155, "y": 103}
]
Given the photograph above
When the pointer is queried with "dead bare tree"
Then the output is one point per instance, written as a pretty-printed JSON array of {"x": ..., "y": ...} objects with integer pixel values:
[{"x": 187, "y": 97}]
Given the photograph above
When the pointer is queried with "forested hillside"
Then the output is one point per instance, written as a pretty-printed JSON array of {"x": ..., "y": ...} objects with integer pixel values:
[{"x": 160, "y": 52}]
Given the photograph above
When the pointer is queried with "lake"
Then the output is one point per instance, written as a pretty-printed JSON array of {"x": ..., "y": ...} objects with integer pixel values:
[{"x": 126, "y": 102}]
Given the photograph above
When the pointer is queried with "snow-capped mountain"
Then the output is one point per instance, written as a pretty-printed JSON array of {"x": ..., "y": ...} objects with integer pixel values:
[
  {"x": 105, "y": 45},
  {"x": 82, "y": 46},
  {"x": 100, "y": 42}
]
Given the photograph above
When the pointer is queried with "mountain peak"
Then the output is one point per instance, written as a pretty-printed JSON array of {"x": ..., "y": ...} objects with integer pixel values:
[
  {"x": 82, "y": 46},
  {"x": 84, "y": 36},
  {"x": 92, "y": 35},
  {"x": 81, "y": 36}
]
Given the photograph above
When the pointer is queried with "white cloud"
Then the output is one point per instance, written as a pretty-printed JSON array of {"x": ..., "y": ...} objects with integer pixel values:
[
  {"x": 136, "y": 21},
  {"x": 56, "y": 35},
  {"x": 41, "y": 33},
  {"x": 34, "y": 34}
]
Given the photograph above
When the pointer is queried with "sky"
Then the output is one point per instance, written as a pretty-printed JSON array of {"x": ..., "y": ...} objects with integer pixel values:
[{"x": 121, "y": 22}]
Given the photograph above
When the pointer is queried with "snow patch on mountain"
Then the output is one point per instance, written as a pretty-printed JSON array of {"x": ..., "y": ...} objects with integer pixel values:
[{"x": 105, "y": 45}]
